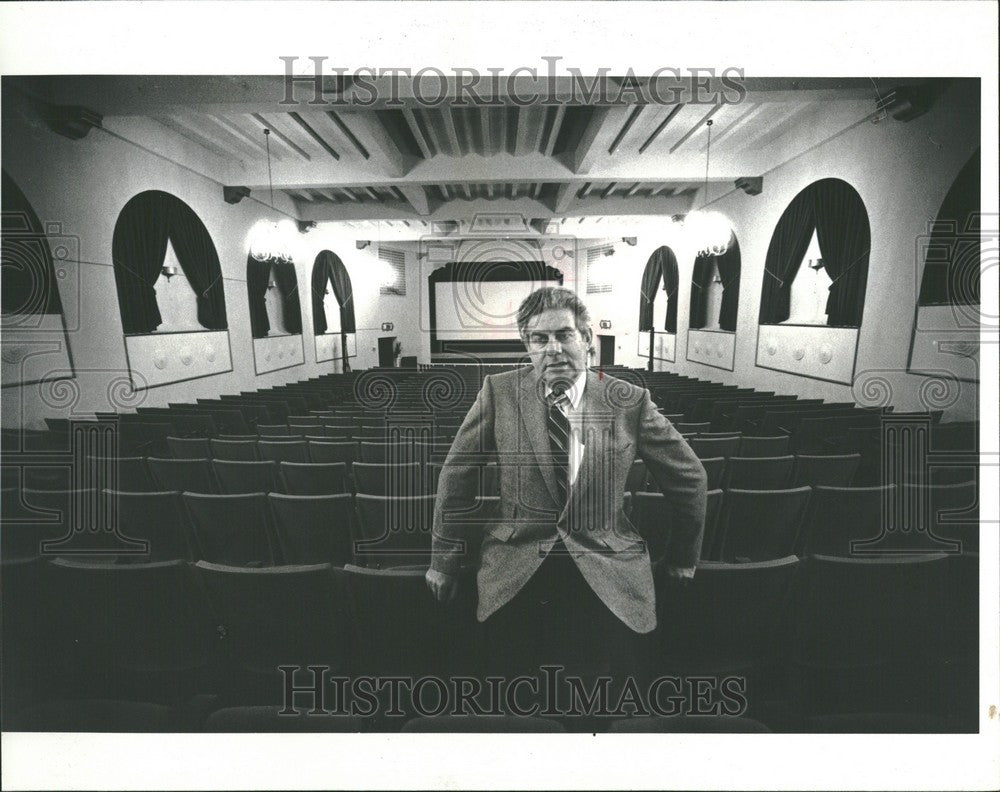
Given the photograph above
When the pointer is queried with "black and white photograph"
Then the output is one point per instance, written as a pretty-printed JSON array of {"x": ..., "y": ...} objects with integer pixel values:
[{"x": 499, "y": 395}]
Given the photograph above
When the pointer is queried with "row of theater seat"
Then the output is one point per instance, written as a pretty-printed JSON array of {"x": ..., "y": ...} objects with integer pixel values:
[
  {"x": 843, "y": 635},
  {"x": 301, "y": 468},
  {"x": 767, "y": 472},
  {"x": 263, "y": 529},
  {"x": 759, "y": 525},
  {"x": 233, "y": 477}
]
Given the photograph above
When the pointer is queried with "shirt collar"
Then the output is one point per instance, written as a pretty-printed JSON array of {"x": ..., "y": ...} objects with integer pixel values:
[{"x": 575, "y": 391}]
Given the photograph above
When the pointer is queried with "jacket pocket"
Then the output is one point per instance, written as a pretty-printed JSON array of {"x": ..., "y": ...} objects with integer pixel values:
[
  {"x": 615, "y": 541},
  {"x": 500, "y": 530}
]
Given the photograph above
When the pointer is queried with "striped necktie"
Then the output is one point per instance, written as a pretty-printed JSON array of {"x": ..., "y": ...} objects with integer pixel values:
[{"x": 559, "y": 435}]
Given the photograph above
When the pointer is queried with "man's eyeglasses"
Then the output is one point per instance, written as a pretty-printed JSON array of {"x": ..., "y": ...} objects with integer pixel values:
[{"x": 563, "y": 337}]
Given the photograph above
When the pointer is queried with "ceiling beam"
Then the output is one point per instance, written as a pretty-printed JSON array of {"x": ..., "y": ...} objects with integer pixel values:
[
  {"x": 557, "y": 122},
  {"x": 281, "y": 137},
  {"x": 451, "y": 133},
  {"x": 254, "y": 145},
  {"x": 415, "y": 129},
  {"x": 184, "y": 129},
  {"x": 660, "y": 127},
  {"x": 565, "y": 193},
  {"x": 632, "y": 118},
  {"x": 616, "y": 205},
  {"x": 525, "y": 132},
  {"x": 596, "y": 137},
  {"x": 307, "y": 127},
  {"x": 350, "y": 195},
  {"x": 416, "y": 196},
  {"x": 694, "y": 128}
]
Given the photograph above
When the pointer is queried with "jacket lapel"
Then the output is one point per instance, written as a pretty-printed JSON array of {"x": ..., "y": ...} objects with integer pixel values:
[
  {"x": 533, "y": 413},
  {"x": 596, "y": 429}
]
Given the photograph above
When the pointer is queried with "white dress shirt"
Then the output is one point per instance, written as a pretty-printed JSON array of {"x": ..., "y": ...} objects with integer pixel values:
[{"x": 572, "y": 413}]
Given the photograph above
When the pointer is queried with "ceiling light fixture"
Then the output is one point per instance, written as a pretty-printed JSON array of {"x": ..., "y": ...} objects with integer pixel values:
[
  {"x": 710, "y": 232},
  {"x": 270, "y": 241}
]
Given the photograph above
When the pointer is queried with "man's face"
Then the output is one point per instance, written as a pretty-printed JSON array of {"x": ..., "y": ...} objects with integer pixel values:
[{"x": 558, "y": 350}]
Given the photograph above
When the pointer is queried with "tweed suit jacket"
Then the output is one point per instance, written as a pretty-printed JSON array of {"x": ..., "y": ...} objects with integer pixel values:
[{"x": 619, "y": 423}]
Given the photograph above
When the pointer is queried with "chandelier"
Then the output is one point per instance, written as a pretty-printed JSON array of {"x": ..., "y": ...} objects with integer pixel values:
[
  {"x": 270, "y": 240},
  {"x": 710, "y": 233}
]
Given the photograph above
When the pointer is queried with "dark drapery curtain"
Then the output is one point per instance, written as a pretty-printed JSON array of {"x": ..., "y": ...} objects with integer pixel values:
[
  {"x": 138, "y": 249},
  {"x": 671, "y": 280},
  {"x": 344, "y": 292},
  {"x": 28, "y": 278},
  {"x": 288, "y": 284},
  {"x": 835, "y": 211},
  {"x": 329, "y": 267},
  {"x": 198, "y": 258},
  {"x": 651, "y": 277},
  {"x": 729, "y": 265},
  {"x": 844, "y": 237},
  {"x": 952, "y": 267},
  {"x": 320, "y": 276},
  {"x": 701, "y": 278},
  {"x": 784, "y": 255},
  {"x": 258, "y": 273}
]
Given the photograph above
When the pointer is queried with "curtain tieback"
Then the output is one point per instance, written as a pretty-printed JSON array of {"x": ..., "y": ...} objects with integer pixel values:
[
  {"x": 211, "y": 285},
  {"x": 780, "y": 281},
  {"x": 849, "y": 267}
]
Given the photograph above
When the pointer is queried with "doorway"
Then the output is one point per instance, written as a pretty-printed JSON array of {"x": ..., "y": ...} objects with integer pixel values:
[
  {"x": 386, "y": 358},
  {"x": 606, "y": 350}
]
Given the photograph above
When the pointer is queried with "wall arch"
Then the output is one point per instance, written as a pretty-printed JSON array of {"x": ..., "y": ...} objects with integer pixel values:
[
  {"x": 144, "y": 226},
  {"x": 834, "y": 211}
]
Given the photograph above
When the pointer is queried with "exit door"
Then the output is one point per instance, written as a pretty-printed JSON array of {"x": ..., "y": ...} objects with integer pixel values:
[
  {"x": 385, "y": 353},
  {"x": 606, "y": 350}
]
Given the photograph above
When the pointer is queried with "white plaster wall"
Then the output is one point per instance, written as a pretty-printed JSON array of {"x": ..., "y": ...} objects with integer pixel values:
[{"x": 78, "y": 189}]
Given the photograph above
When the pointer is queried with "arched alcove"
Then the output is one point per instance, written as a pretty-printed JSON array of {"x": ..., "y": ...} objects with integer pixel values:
[
  {"x": 273, "y": 293},
  {"x": 145, "y": 226},
  {"x": 815, "y": 279},
  {"x": 832, "y": 210},
  {"x": 661, "y": 270},
  {"x": 192, "y": 340},
  {"x": 951, "y": 273},
  {"x": 275, "y": 314},
  {"x": 714, "y": 305},
  {"x": 948, "y": 318},
  {"x": 330, "y": 279},
  {"x": 35, "y": 344}
]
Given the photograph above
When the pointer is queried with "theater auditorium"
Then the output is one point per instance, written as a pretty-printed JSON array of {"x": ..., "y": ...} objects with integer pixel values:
[{"x": 244, "y": 319}]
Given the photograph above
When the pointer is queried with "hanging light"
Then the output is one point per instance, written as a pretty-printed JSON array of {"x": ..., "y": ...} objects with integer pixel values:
[
  {"x": 270, "y": 240},
  {"x": 711, "y": 233}
]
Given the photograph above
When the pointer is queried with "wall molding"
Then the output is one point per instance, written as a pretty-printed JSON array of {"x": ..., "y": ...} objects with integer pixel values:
[{"x": 157, "y": 359}]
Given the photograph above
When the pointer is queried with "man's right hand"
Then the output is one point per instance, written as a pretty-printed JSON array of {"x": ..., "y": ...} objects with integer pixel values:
[{"x": 443, "y": 587}]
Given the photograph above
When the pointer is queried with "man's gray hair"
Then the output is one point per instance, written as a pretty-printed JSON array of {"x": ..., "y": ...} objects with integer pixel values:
[{"x": 550, "y": 298}]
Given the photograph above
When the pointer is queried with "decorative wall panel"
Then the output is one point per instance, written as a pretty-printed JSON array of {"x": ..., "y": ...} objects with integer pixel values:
[
  {"x": 816, "y": 351},
  {"x": 158, "y": 359}
]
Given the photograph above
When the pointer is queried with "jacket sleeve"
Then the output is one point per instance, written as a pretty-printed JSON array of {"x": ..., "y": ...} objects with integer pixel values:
[
  {"x": 680, "y": 476},
  {"x": 474, "y": 446}
]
